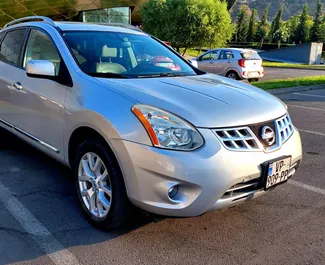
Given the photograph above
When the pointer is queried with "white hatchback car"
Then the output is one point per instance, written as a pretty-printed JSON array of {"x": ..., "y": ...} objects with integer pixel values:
[{"x": 233, "y": 63}]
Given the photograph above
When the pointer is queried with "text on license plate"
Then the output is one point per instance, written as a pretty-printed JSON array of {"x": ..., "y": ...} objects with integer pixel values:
[{"x": 278, "y": 172}]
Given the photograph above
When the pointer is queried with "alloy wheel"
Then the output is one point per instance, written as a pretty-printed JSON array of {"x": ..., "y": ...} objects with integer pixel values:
[
  {"x": 95, "y": 185},
  {"x": 232, "y": 76}
]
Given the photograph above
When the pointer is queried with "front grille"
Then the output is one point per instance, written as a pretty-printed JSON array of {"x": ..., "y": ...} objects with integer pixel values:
[
  {"x": 249, "y": 138},
  {"x": 285, "y": 128},
  {"x": 257, "y": 130},
  {"x": 238, "y": 139}
]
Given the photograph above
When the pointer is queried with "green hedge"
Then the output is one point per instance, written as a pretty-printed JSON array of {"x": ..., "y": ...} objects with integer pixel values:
[{"x": 256, "y": 45}]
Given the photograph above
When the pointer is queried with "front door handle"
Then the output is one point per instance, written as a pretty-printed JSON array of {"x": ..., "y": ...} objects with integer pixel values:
[{"x": 18, "y": 86}]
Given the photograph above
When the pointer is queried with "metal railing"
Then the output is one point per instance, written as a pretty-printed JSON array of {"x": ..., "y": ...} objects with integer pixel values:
[{"x": 30, "y": 19}]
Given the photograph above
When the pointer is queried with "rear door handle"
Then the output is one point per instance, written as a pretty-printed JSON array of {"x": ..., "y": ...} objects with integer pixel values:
[{"x": 18, "y": 86}]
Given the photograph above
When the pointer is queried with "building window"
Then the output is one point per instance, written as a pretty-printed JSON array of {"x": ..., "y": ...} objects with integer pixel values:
[{"x": 108, "y": 15}]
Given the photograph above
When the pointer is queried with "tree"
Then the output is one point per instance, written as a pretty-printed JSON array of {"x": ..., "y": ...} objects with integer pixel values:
[
  {"x": 283, "y": 34},
  {"x": 276, "y": 25},
  {"x": 317, "y": 31},
  {"x": 264, "y": 20},
  {"x": 231, "y": 3},
  {"x": 251, "y": 35},
  {"x": 263, "y": 27},
  {"x": 303, "y": 30},
  {"x": 242, "y": 25},
  {"x": 293, "y": 24},
  {"x": 188, "y": 23}
]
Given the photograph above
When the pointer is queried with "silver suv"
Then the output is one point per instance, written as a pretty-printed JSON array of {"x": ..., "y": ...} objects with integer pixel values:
[
  {"x": 139, "y": 125},
  {"x": 233, "y": 63}
]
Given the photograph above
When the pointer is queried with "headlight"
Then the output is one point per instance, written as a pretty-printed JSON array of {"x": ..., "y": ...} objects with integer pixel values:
[{"x": 167, "y": 130}]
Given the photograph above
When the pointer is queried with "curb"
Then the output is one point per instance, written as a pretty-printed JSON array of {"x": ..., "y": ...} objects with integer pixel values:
[{"x": 280, "y": 91}]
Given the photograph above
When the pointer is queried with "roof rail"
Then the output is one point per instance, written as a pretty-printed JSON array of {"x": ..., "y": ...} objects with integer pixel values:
[
  {"x": 121, "y": 25},
  {"x": 29, "y": 19}
]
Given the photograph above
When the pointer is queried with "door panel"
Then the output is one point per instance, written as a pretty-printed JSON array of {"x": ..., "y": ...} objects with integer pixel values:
[
  {"x": 39, "y": 105},
  {"x": 207, "y": 62},
  {"x": 224, "y": 62},
  {"x": 10, "y": 72}
]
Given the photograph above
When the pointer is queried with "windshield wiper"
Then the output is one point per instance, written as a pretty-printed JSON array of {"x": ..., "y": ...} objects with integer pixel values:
[{"x": 110, "y": 75}]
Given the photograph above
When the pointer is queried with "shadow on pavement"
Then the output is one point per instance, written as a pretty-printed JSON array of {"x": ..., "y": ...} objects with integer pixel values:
[{"x": 46, "y": 189}]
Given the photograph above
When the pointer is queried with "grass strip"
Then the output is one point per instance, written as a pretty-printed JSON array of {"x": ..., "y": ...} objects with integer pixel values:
[
  {"x": 294, "y": 66},
  {"x": 291, "y": 82}
]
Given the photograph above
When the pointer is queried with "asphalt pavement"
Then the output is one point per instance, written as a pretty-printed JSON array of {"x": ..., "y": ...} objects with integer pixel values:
[
  {"x": 272, "y": 73},
  {"x": 40, "y": 222}
]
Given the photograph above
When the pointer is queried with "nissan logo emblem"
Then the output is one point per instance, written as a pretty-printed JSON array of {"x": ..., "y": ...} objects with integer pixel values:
[{"x": 268, "y": 135}]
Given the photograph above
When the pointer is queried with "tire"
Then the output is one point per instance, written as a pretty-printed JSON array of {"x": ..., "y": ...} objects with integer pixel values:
[
  {"x": 119, "y": 207},
  {"x": 232, "y": 75},
  {"x": 253, "y": 80}
]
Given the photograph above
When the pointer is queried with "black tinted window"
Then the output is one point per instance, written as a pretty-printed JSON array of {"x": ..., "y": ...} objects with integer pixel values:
[
  {"x": 226, "y": 55},
  {"x": 1, "y": 36},
  {"x": 10, "y": 49}
]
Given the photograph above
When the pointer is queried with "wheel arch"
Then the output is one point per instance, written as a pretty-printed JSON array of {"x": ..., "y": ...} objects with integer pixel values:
[
  {"x": 229, "y": 70},
  {"x": 81, "y": 134}
]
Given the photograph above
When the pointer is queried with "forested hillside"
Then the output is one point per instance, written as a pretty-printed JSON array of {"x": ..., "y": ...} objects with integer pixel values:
[{"x": 291, "y": 7}]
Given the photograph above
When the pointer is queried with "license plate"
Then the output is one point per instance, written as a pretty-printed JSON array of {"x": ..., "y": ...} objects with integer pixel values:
[
  {"x": 254, "y": 74},
  {"x": 277, "y": 172}
]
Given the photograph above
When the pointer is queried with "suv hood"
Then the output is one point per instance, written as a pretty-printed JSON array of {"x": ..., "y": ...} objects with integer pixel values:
[{"x": 207, "y": 101}]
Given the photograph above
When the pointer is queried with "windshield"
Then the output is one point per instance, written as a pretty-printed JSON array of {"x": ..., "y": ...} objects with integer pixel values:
[
  {"x": 124, "y": 55},
  {"x": 250, "y": 55}
]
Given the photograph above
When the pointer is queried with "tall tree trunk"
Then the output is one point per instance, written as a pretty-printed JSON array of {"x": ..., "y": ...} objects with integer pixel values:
[{"x": 184, "y": 51}]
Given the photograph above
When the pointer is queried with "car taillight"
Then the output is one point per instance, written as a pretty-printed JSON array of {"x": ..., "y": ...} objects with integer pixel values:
[{"x": 241, "y": 63}]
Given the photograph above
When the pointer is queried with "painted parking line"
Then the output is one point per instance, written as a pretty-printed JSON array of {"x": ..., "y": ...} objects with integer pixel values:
[
  {"x": 45, "y": 240},
  {"x": 309, "y": 108},
  {"x": 307, "y": 187},
  {"x": 308, "y": 95},
  {"x": 311, "y": 132}
]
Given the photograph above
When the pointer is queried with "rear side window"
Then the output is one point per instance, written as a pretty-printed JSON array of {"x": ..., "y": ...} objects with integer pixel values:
[
  {"x": 10, "y": 49},
  {"x": 250, "y": 55},
  {"x": 226, "y": 55}
]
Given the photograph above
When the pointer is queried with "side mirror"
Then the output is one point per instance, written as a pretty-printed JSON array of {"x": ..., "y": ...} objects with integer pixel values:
[{"x": 40, "y": 69}]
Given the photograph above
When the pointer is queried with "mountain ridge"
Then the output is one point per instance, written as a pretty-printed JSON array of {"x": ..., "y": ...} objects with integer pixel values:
[{"x": 291, "y": 7}]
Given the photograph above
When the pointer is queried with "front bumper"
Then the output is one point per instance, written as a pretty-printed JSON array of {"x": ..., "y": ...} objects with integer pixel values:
[{"x": 209, "y": 178}]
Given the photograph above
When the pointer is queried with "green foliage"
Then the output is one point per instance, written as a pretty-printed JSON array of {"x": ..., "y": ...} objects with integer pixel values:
[
  {"x": 303, "y": 30},
  {"x": 291, "y": 82},
  {"x": 263, "y": 29},
  {"x": 317, "y": 31},
  {"x": 264, "y": 20},
  {"x": 252, "y": 28},
  {"x": 293, "y": 24},
  {"x": 275, "y": 33},
  {"x": 242, "y": 25},
  {"x": 188, "y": 23}
]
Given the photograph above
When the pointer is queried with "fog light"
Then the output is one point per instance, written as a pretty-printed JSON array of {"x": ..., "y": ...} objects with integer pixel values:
[{"x": 172, "y": 192}]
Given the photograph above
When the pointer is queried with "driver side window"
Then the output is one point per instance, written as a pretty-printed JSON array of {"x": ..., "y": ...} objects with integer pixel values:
[
  {"x": 209, "y": 56},
  {"x": 40, "y": 47}
]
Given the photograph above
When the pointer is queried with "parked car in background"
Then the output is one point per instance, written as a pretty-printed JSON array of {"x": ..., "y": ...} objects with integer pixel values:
[{"x": 233, "y": 63}]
